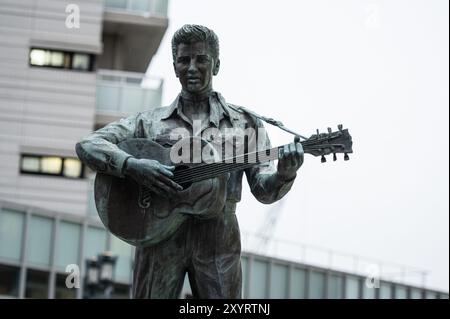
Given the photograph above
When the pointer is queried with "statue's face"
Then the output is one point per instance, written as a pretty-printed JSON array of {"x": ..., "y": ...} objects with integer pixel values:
[{"x": 195, "y": 66}]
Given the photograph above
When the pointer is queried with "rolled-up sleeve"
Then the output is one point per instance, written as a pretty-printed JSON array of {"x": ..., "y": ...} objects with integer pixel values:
[
  {"x": 265, "y": 183},
  {"x": 99, "y": 150}
]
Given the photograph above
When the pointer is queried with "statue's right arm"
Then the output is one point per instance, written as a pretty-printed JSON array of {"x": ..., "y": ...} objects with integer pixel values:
[{"x": 99, "y": 150}]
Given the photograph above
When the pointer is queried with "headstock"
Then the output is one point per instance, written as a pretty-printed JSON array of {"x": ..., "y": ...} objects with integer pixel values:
[{"x": 322, "y": 144}]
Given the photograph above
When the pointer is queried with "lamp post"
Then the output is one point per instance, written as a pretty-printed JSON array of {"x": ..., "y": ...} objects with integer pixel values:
[{"x": 99, "y": 278}]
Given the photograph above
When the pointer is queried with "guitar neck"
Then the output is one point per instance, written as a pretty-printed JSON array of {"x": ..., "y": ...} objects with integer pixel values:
[{"x": 236, "y": 163}]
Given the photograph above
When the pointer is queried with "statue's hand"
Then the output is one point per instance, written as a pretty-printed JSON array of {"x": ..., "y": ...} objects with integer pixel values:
[
  {"x": 152, "y": 174},
  {"x": 290, "y": 161}
]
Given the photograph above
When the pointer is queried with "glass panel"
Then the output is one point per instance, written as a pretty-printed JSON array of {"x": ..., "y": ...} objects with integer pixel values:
[
  {"x": 95, "y": 242},
  {"x": 39, "y": 57},
  {"x": 431, "y": 295},
  {"x": 132, "y": 100},
  {"x": 67, "y": 245},
  {"x": 122, "y": 4},
  {"x": 57, "y": 59},
  {"x": 108, "y": 97},
  {"x": 61, "y": 290},
  {"x": 401, "y": 292},
  {"x": 51, "y": 165},
  {"x": 39, "y": 240},
  {"x": 368, "y": 292},
  {"x": 298, "y": 282},
  {"x": 258, "y": 280},
  {"x": 37, "y": 284},
  {"x": 123, "y": 265},
  {"x": 385, "y": 291},
  {"x": 335, "y": 286},
  {"x": 316, "y": 285},
  {"x": 9, "y": 281},
  {"x": 278, "y": 280},
  {"x": 140, "y": 5},
  {"x": 416, "y": 293},
  {"x": 352, "y": 287},
  {"x": 11, "y": 230},
  {"x": 443, "y": 296},
  {"x": 30, "y": 164},
  {"x": 160, "y": 7},
  {"x": 81, "y": 61},
  {"x": 72, "y": 167},
  {"x": 244, "y": 264}
]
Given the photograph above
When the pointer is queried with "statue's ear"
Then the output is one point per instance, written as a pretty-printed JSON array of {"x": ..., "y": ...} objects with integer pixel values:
[{"x": 216, "y": 67}]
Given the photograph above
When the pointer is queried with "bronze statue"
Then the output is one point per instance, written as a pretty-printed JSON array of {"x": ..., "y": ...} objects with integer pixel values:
[{"x": 183, "y": 220}]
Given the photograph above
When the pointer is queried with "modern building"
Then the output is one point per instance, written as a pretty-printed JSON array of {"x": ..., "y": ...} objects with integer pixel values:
[
  {"x": 66, "y": 68},
  {"x": 58, "y": 82}
]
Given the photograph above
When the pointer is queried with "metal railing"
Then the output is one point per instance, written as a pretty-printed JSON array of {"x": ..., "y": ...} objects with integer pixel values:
[
  {"x": 123, "y": 93},
  {"x": 146, "y": 7},
  {"x": 336, "y": 260}
]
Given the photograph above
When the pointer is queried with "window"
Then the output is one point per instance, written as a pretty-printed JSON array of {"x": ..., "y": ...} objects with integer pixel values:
[
  {"x": 278, "y": 281},
  {"x": 9, "y": 281},
  {"x": 316, "y": 286},
  {"x": 298, "y": 283},
  {"x": 385, "y": 291},
  {"x": 401, "y": 292},
  {"x": 42, "y": 57},
  {"x": 67, "y": 244},
  {"x": 123, "y": 265},
  {"x": 11, "y": 230},
  {"x": 351, "y": 287},
  {"x": 416, "y": 293},
  {"x": 258, "y": 279},
  {"x": 40, "y": 240},
  {"x": 335, "y": 286},
  {"x": 95, "y": 242},
  {"x": 37, "y": 284},
  {"x": 244, "y": 264},
  {"x": 51, "y": 166},
  {"x": 61, "y": 290}
]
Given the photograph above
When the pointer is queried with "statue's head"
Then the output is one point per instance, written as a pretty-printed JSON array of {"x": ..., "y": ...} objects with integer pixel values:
[{"x": 195, "y": 51}]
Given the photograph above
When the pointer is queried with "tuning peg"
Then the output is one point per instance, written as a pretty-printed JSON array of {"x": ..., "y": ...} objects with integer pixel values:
[
  {"x": 329, "y": 130},
  {"x": 346, "y": 158},
  {"x": 334, "y": 157},
  {"x": 323, "y": 159},
  {"x": 340, "y": 127}
]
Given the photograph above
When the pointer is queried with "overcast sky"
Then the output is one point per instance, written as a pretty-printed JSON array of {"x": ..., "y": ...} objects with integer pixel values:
[{"x": 378, "y": 67}]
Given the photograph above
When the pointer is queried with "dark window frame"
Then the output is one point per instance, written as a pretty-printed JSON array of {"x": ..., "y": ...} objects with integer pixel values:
[
  {"x": 69, "y": 55},
  {"x": 40, "y": 173}
]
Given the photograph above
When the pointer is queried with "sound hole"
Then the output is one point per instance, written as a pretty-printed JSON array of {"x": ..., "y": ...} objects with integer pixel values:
[{"x": 181, "y": 176}]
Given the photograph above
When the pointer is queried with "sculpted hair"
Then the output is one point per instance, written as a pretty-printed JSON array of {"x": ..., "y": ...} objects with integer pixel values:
[{"x": 195, "y": 32}]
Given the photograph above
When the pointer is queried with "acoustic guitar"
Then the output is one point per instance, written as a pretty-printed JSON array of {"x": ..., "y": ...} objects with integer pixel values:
[{"x": 139, "y": 217}]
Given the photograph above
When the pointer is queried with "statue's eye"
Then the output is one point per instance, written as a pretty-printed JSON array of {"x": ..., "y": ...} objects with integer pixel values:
[
  {"x": 183, "y": 59},
  {"x": 202, "y": 59}
]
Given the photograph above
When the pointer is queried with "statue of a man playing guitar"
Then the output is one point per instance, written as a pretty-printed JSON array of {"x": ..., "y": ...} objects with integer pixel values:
[{"x": 207, "y": 249}]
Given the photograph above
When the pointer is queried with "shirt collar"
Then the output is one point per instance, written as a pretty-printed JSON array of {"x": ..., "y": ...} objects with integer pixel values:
[{"x": 217, "y": 104}]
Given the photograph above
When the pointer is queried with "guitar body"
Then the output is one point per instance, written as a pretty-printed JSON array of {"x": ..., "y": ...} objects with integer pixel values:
[{"x": 139, "y": 217}]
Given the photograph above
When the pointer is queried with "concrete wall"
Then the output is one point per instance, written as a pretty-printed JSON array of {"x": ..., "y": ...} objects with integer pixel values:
[{"x": 44, "y": 110}]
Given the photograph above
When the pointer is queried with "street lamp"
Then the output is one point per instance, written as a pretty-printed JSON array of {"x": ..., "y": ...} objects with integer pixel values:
[{"x": 100, "y": 276}]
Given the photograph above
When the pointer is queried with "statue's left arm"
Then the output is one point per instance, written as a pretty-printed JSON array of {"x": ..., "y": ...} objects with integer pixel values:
[{"x": 269, "y": 183}]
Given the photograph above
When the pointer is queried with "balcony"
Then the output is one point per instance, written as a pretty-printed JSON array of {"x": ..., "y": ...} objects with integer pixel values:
[
  {"x": 132, "y": 33},
  {"x": 145, "y": 7},
  {"x": 120, "y": 94}
]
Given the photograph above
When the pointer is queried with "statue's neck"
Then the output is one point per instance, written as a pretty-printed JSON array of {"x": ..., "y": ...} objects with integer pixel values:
[{"x": 197, "y": 97}]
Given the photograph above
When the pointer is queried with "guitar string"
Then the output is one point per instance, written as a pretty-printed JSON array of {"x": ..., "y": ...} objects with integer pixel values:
[
  {"x": 205, "y": 168},
  {"x": 205, "y": 171}
]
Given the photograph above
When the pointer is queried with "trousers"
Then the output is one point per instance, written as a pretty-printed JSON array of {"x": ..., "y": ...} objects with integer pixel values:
[{"x": 207, "y": 250}]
